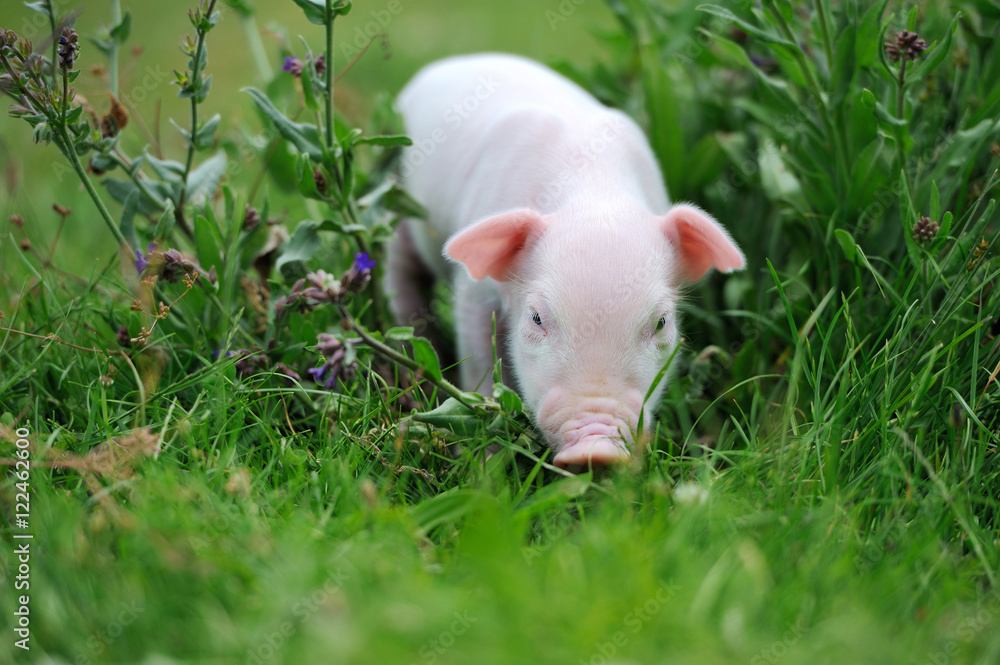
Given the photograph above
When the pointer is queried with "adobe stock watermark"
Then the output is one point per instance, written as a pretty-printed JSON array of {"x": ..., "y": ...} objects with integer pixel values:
[
  {"x": 562, "y": 13},
  {"x": 778, "y": 649},
  {"x": 365, "y": 33},
  {"x": 417, "y": 154},
  {"x": 100, "y": 641},
  {"x": 966, "y": 631},
  {"x": 633, "y": 621},
  {"x": 272, "y": 643},
  {"x": 434, "y": 648},
  {"x": 597, "y": 144}
]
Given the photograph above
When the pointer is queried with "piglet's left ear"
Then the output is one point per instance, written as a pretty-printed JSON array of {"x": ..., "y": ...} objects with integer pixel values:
[
  {"x": 492, "y": 247},
  {"x": 701, "y": 242}
]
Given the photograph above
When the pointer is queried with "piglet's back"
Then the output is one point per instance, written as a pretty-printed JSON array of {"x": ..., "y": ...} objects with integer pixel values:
[{"x": 489, "y": 132}]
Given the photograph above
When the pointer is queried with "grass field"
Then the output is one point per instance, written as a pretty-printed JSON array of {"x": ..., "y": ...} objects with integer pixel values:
[{"x": 823, "y": 481}]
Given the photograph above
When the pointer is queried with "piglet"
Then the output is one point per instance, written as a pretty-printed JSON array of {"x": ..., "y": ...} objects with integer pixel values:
[{"x": 556, "y": 210}]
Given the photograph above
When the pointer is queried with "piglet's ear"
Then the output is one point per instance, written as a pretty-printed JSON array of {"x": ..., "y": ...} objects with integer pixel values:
[
  {"x": 490, "y": 248},
  {"x": 701, "y": 242}
]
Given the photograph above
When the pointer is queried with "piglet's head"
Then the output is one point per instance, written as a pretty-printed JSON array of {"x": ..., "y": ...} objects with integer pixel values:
[{"x": 591, "y": 297}]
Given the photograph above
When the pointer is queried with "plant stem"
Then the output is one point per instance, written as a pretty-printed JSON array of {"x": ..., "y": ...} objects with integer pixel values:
[
  {"x": 126, "y": 165},
  {"x": 116, "y": 18},
  {"x": 329, "y": 74},
  {"x": 74, "y": 160},
  {"x": 333, "y": 164},
  {"x": 195, "y": 76},
  {"x": 901, "y": 114},
  {"x": 65, "y": 97},
  {"x": 824, "y": 29},
  {"x": 398, "y": 358},
  {"x": 55, "y": 41}
]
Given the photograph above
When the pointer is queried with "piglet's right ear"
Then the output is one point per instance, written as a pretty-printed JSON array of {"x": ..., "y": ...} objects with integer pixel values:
[{"x": 491, "y": 247}]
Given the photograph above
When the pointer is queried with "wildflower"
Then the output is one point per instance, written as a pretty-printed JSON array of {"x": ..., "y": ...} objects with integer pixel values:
[
  {"x": 363, "y": 262},
  {"x": 250, "y": 362},
  {"x": 360, "y": 274},
  {"x": 25, "y": 245},
  {"x": 142, "y": 261},
  {"x": 293, "y": 66},
  {"x": 174, "y": 266},
  {"x": 908, "y": 45},
  {"x": 925, "y": 230},
  {"x": 69, "y": 47},
  {"x": 287, "y": 372},
  {"x": 251, "y": 218},
  {"x": 320, "y": 64},
  {"x": 320, "y": 180},
  {"x": 324, "y": 281},
  {"x": 337, "y": 364},
  {"x": 17, "y": 220}
]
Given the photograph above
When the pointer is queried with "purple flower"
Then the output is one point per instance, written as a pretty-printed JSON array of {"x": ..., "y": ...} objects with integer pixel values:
[
  {"x": 69, "y": 47},
  {"x": 293, "y": 66},
  {"x": 362, "y": 262},
  {"x": 142, "y": 261}
]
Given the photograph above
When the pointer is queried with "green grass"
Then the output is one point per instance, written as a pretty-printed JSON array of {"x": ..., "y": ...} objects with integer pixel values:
[{"x": 823, "y": 485}]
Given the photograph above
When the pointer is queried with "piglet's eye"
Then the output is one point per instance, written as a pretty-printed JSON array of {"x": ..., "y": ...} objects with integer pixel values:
[
  {"x": 661, "y": 323},
  {"x": 537, "y": 318}
]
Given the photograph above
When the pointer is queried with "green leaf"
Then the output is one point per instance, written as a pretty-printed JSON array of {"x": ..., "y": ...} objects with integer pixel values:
[
  {"x": 165, "y": 169},
  {"x": 306, "y": 178},
  {"x": 304, "y": 137},
  {"x": 867, "y": 44},
  {"x": 315, "y": 10},
  {"x": 120, "y": 32},
  {"x": 424, "y": 354},
  {"x": 399, "y": 333},
  {"x": 934, "y": 55},
  {"x": 844, "y": 66},
  {"x": 847, "y": 244},
  {"x": 384, "y": 141},
  {"x": 745, "y": 26},
  {"x": 935, "y": 202},
  {"x": 41, "y": 7},
  {"x": 454, "y": 416},
  {"x": 206, "y": 242},
  {"x": 942, "y": 235},
  {"x": 301, "y": 247},
  {"x": 508, "y": 399},
  {"x": 205, "y": 179},
  {"x": 206, "y": 134},
  {"x": 120, "y": 190}
]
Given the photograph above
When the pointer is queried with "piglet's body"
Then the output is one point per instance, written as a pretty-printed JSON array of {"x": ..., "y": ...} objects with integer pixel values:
[{"x": 555, "y": 206}]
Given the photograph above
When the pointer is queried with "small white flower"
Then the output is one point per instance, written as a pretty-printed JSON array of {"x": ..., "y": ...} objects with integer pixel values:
[
  {"x": 690, "y": 494},
  {"x": 328, "y": 282}
]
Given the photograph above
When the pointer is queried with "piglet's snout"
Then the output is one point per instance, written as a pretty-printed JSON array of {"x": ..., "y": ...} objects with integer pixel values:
[{"x": 592, "y": 431}]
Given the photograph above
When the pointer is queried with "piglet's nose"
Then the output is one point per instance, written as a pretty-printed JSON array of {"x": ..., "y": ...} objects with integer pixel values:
[{"x": 592, "y": 451}]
